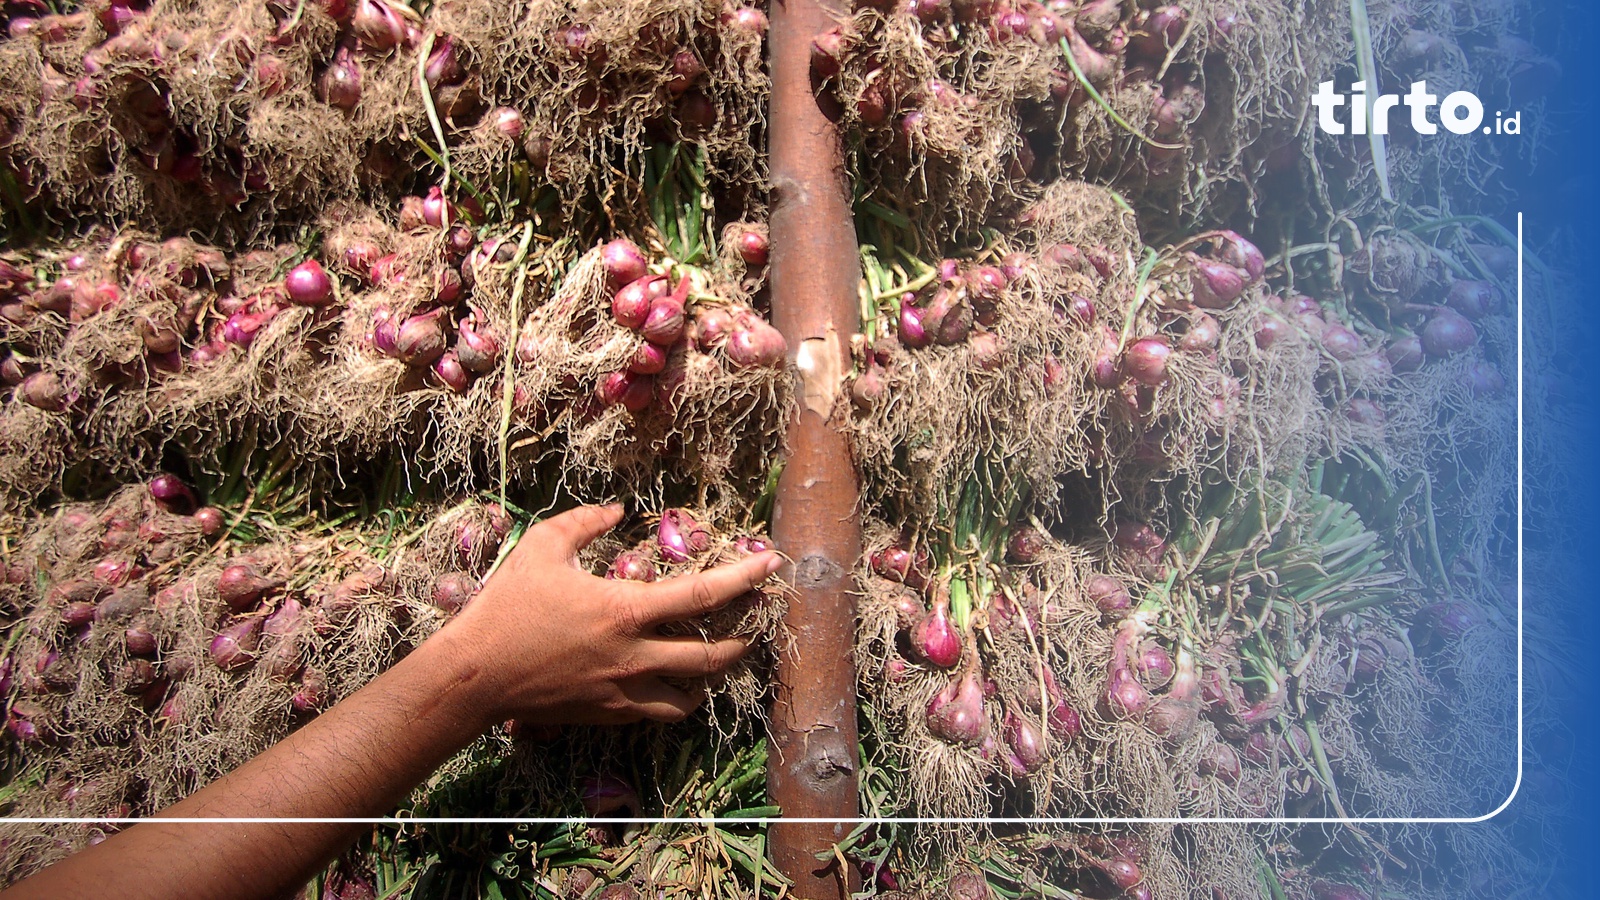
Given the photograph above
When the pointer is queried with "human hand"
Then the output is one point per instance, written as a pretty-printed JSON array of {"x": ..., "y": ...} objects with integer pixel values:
[{"x": 546, "y": 642}]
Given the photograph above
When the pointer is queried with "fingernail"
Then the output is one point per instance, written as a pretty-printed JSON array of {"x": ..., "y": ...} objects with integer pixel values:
[
  {"x": 774, "y": 563},
  {"x": 614, "y": 507}
]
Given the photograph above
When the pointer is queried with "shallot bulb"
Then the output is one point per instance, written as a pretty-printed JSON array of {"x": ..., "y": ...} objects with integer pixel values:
[
  {"x": 1064, "y": 720},
  {"x": 1241, "y": 253},
  {"x": 1145, "y": 360},
  {"x": 867, "y": 387},
  {"x": 752, "y": 247},
  {"x": 452, "y": 590},
  {"x": 749, "y": 545},
  {"x": 1125, "y": 697},
  {"x": 447, "y": 284},
  {"x": 1483, "y": 379},
  {"x": 686, "y": 67},
  {"x": 379, "y": 25},
  {"x": 537, "y": 148},
  {"x": 935, "y": 637},
  {"x": 1216, "y": 285},
  {"x": 1155, "y": 666},
  {"x": 451, "y": 373},
  {"x": 680, "y": 536},
  {"x": 308, "y": 284},
  {"x": 1176, "y": 715},
  {"x": 755, "y": 344},
  {"x": 443, "y": 66},
  {"x": 1270, "y": 329},
  {"x": 1342, "y": 343},
  {"x": 211, "y": 520},
  {"x": 1123, "y": 872},
  {"x": 1108, "y": 593},
  {"x": 1066, "y": 256},
  {"x": 437, "y": 210},
  {"x": 631, "y": 304},
  {"x": 582, "y": 45},
  {"x": 1026, "y": 741},
  {"x": 478, "y": 344},
  {"x": 284, "y": 660},
  {"x": 1203, "y": 334},
  {"x": 172, "y": 494},
  {"x": 1160, "y": 30},
  {"x": 242, "y": 588},
  {"x": 1500, "y": 260},
  {"x": 1053, "y": 375},
  {"x": 902, "y": 565},
  {"x": 420, "y": 339},
  {"x": 139, "y": 640},
  {"x": 628, "y": 389},
  {"x": 947, "y": 317},
  {"x": 747, "y": 19},
  {"x": 122, "y": 602},
  {"x": 648, "y": 359},
  {"x": 663, "y": 325},
  {"x": 158, "y": 335},
  {"x": 313, "y": 691},
  {"x": 955, "y": 714},
  {"x": 138, "y": 676},
  {"x": 1003, "y": 613},
  {"x": 1026, "y": 544},
  {"x": 607, "y": 796},
  {"x": 985, "y": 284},
  {"x": 1473, "y": 299},
  {"x": 1221, "y": 761},
  {"x": 1080, "y": 308},
  {"x": 912, "y": 330},
  {"x": 1405, "y": 353},
  {"x": 827, "y": 51},
  {"x": 1447, "y": 333},
  {"x": 1106, "y": 368},
  {"x": 285, "y": 619},
  {"x": 1449, "y": 619},
  {"x": 116, "y": 572},
  {"x": 234, "y": 646},
  {"x": 1139, "y": 539},
  {"x": 631, "y": 565},
  {"x": 21, "y": 727},
  {"x": 340, "y": 84},
  {"x": 1363, "y": 411},
  {"x": 12, "y": 372},
  {"x": 623, "y": 263},
  {"x": 1097, "y": 67},
  {"x": 242, "y": 327},
  {"x": 77, "y": 614},
  {"x": 710, "y": 327}
]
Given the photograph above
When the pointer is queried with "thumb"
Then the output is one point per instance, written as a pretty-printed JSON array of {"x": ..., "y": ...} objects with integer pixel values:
[{"x": 572, "y": 530}]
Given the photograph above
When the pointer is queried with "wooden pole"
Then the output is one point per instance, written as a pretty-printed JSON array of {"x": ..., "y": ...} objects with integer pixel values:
[{"x": 811, "y": 771}]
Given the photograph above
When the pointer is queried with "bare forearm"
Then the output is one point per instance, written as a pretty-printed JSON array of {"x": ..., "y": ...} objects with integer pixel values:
[
  {"x": 365, "y": 754},
  {"x": 357, "y": 760},
  {"x": 544, "y": 642}
]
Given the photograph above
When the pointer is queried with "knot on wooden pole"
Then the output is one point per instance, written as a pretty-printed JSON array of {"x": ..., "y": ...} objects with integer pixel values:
[
  {"x": 826, "y": 759},
  {"x": 816, "y": 571}
]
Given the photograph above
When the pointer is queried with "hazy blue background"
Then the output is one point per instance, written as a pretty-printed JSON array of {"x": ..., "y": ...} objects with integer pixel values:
[{"x": 1561, "y": 202}]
